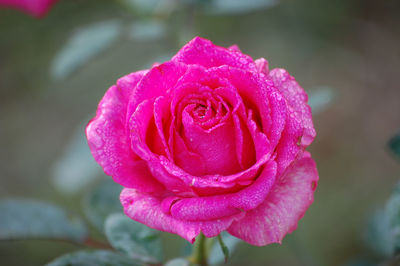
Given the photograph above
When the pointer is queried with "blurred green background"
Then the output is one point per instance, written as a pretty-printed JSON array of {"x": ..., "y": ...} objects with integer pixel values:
[{"x": 345, "y": 53}]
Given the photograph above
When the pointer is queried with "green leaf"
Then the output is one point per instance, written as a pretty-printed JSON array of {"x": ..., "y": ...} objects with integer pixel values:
[
  {"x": 361, "y": 261},
  {"x": 75, "y": 168},
  {"x": 102, "y": 201},
  {"x": 29, "y": 219},
  {"x": 177, "y": 262},
  {"x": 383, "y": 234},
  {"x": 320, "y": 99},
  {"x": 378, "y": 236},
  {"x": 187, "y": 249},
  {"x": 394, "y": 145},
  {"x": 217, "y": 256},
  {"x": 232, "y": 7},
  {"x": 133, "y": 239},
  {"x": 84, "y": 45},
  {"x": 393, "y": 213},
  {"x": 93, "y": 258},
  {"x": 149, "y": 30}
]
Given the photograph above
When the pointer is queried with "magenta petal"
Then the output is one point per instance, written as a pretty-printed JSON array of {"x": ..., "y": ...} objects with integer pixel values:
[
  {"x": 109, "y": 144},
  {"x": 297, "y": 99},
  {"x": 148, "y": 210},
  {"x": 259, "y": 95},
  {"x": 216, "y": 146},
  {"x": 155, "y": 83},
  {"x": 141, "y": 121},
  {"x": 189, "y": 161},
  {"x": 127, "y": 84},
  {"x": 203, "y": 52},
  {"x": 215, "y": 207},
  {"x": 37, "y": 8},
  {"x": 262, "y": 65},
  {"x": 299, "y": 131},
  {"x": 285, "y": 205}
]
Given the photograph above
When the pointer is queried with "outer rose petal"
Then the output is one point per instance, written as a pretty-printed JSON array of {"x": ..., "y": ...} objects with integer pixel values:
[
  {"x": 262, "y": 65},
  {"x": 110, "y": 146},
  {"x": 297, "y": 100},
  {"x": 299, "y": 131},
  {"x": 36, "y": 8},
  {"x": 203, "y": 52},
  {"x": 147, "y": 209},
  {"x": 282, "y": 209}
]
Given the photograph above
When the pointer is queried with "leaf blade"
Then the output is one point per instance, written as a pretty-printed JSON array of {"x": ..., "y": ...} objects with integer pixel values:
[
  {"x": 84, "y": 45},
  {"x": 102, "y": 201},
  {"x": 133, "y": 239},
  {"x": 92, "y": 258},
  {"x": 230, "y": 242},
  {"x": 29, "y": 219}
]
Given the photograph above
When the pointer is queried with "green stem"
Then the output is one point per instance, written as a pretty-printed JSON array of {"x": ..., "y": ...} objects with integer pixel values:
[
  {"x": 200, "y": 253},
  {"x": 224, "y": 248}
]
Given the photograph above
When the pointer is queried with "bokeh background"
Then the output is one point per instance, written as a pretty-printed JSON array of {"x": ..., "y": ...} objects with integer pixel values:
[{"x": 345, "y": 53}]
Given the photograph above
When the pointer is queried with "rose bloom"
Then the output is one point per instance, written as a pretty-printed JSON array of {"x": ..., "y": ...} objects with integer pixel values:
[
  {"x": 209, "y": 141},
  {"x": 36, "y": 8}
]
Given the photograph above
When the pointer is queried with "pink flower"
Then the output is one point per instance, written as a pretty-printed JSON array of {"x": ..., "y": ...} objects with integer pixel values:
[
  {"x": 36, "y": 8},
  {"x": 209, "y": 141}
]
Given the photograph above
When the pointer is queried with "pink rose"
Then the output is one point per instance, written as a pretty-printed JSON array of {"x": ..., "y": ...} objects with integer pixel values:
[
  {"x": 36, "y": 8},
  {"x": 207, "y": 142}
]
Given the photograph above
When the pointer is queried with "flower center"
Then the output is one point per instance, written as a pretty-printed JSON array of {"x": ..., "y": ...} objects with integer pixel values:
[{"x": 200, "y": 111}]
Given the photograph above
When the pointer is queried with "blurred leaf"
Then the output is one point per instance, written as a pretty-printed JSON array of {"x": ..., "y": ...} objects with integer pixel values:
[
  {"x": 149, "y": 30},
  {"x": 216, "y": 255},
  {"x": 231, "y": 7},
  {"x": 378, "y": 237},
  {"x": 320, "y": 99},
  {"x": 393, "y": 213},
  {"x": 83, "y": 45},
  {"x": 187, "y": 249},
  {"x": 361, "y": 261},
  {"x": 75, "y": 168},
  {"x": 383, "y": 234},
  {"x": 195, "y": 2},
  {"x": 395, "y": 261},
  {"x": 177, "y": 262},
  {"x": 93, "y": 258},
  {"x": 133, "y": 239},
  {"x": 394, "y": 145},
  {"x": 102, "y": 201},
  {"x": 28, "y": 219}
]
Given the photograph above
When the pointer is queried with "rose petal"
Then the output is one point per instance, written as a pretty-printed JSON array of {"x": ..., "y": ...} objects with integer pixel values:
[
  {"x": 36, "y": 8},
  {"x": 285, "y": 205},
  {"x": 216, "y": 207},
  {"x": 203, "y": 52},
  {"x": 299, "y": 131},
  {"x": 262, "y": 65},
  {"x": 259, "y": 95},
  {"x": 189, "y": 161},
  {"x": 109, "y": 143},
  {"x": 297, "y": 99},
  {"x": 157, "y": 82},
  {"x": 216, "y": 146},
  {"x": 147, "y": 209},
  {"x": 140, "y": 123}
]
